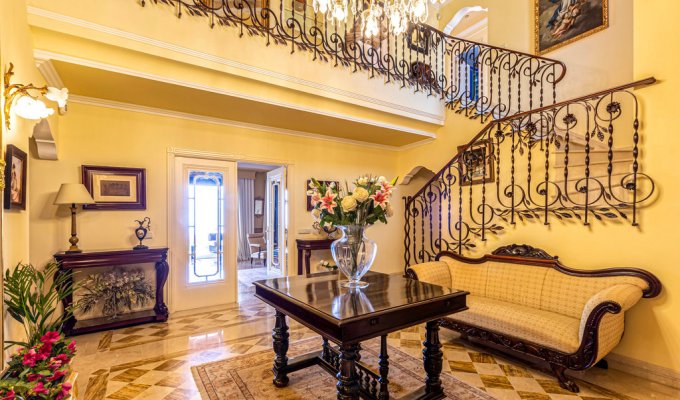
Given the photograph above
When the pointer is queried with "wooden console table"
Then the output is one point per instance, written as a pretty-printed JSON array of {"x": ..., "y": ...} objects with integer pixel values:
[
  {"x": 307, "y": 246},
  {"x": 71, "y": 262}
]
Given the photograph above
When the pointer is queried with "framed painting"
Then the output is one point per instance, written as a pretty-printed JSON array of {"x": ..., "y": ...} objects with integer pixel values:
[
  {"x": 472, "y": 164},
  {"x": 259, "y": 206},
  {"x": 418, "y": 38},
  {"x": 309, "y": 198},
  {"x": 560, "y": 22},
  {"x": 115, "y": 188},
  {"x": 16, "y": 168}
]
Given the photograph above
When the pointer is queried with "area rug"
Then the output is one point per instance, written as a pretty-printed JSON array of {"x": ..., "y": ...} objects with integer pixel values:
[{"x": 250, "y": 377}]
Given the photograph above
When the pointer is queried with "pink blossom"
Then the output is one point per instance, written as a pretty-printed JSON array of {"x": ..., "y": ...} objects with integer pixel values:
[
  {"x": 58, "y": 374},
  {"x": 30, "y": 358},
  {"x": 316, "y": 198},
  {"x": 9, "y": 395},
  {"x": 328, "y": 201},
  {"x": 380, "y": 198},
  {"x": 65, "y": 389},
  {"x": 72, "y": 346},
  {"x": 39, "y": 388},
  {"x": 50, "y": 337},
  {"x": 45, "y": 350},
  {"x": 33, "y": 377},
  {"x": 386, "y": 187},
  {"x": 55, "y": 364}
]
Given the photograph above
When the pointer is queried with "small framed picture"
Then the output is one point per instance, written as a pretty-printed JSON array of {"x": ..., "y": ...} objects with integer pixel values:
[
  {"x": 259, "y": 206},
  {"x": 16, "y": 167},
  {"x": 115, "y": 188},
  {"x": 309, "y": 198},
  {"x": 477, "y": 164},
  {"x": 418, "y": 38}
]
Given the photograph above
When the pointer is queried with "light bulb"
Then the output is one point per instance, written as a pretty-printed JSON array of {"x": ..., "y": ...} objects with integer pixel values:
[
  {"x": 339, "y": 13},
  {"x": 29, "y": 108},
  {"x": 372, "y": 27},
  {"x": 419, "y": 8}
]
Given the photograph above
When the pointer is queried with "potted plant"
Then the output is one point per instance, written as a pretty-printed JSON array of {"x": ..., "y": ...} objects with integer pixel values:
[
  {"x": 352, "y": 212},
  {"x": 40, "y": 368}
]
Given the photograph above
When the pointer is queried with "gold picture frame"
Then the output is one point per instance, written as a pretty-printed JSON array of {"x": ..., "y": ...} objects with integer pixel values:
[{"x": 574, "y": 25}]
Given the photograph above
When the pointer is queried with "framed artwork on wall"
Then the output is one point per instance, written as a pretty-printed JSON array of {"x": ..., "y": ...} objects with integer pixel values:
[
  {"x": 115, "y": 188},
  {"x": 418, "y": 38},
  {"x": 472, "y": 164},
  {"x": 16, "y": 168},
  {"x": 259, "y": 206},
  {"x": 560, "y": 22},
  {"x": 309, "y": 198}
]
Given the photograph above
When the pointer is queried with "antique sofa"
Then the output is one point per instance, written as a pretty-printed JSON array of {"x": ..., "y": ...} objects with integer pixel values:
[{"x": 524, "y": 301}]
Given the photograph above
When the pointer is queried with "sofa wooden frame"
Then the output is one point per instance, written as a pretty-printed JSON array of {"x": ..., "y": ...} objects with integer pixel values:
[{"x": 586, "y": 355}]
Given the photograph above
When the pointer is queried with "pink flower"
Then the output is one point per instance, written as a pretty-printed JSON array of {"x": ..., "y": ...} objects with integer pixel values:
[
  {"x": 58, "y": 374},
  {"x": 65, "y": 389},
  {"x": 45, "y": 350},
  {"x": 386, "y": 187},
  {"x": 380, "y": 198},
  {"x": 316, "y": 198},
  {"x": 50, "y": 337},
  {"x": 55, "y": 364},
  {"x": 30, "y": 358},
  {"x": 9, "y": 395},
  {"x": 328, "y": 201},
  {"x": 39, "y": 388},
  {"x": 61, "y": 357},
  {"x": 72, "y": 346},
  {"x": 33, "y": 377}
]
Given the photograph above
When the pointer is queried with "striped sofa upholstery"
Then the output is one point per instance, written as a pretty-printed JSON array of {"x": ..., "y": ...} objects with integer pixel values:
[{"x": 526, "y": 300}]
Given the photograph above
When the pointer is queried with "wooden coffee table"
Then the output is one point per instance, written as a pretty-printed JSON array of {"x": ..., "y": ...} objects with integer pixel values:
[{"x": 348, "y": 317}]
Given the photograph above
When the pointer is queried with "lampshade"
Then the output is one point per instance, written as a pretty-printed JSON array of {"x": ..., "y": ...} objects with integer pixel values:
[{"x": 73, "y": 193}]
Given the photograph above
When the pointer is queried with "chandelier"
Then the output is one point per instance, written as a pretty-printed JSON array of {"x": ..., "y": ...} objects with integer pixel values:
[{"x": 398, "y": 13}]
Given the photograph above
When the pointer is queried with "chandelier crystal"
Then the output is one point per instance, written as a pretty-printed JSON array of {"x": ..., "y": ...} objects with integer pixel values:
[{"x": 397, "y": 13}]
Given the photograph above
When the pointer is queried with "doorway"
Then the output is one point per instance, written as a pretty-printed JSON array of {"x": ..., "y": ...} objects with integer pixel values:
[
  {"x": 262, "y": 224},
  {"x": 202, "y": 215}
]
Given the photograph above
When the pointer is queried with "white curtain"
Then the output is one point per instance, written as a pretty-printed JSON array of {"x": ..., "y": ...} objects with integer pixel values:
[{"x": 246, "y": 216}]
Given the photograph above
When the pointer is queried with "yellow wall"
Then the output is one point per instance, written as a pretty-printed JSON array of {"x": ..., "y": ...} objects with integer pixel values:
[
  {"x": 102, "y": 136},
  {"x": 652, "y": 327}
]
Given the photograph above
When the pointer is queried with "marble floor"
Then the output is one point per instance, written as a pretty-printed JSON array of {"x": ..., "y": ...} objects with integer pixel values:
[{"x": 154, "y": 361}]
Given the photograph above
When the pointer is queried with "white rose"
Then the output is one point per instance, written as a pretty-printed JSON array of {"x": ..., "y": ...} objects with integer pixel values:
[
  {"x": 382, "y": 179},
  {"x": 360, "y": 194},
  {"x": 362, "y": 181},
  {"x": 389, "y": 211},
  {"x": 348, "y": 204}
]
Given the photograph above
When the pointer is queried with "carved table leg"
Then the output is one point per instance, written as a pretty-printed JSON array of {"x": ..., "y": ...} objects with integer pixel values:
[
  {"x": 280, "y": 337},
  {"x": 348, "y": 379},
  {"x": 162, "y": 271},
  {"x": 308, "y": 256},
  {"x": 384, "y": 369},
  {"x": 564, "y": 380},
  {"x": 433, "y": 359}
]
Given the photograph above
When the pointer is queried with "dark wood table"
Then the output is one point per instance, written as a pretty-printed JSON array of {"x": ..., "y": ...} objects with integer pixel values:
[
  {"x": 307, "y": 246},
  {"x": 74, "y": 262},
  {"x": 348, "y": 317}
]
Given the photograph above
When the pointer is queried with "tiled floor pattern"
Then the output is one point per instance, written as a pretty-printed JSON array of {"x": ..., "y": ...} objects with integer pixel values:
[{"x": 153, "y": 361}]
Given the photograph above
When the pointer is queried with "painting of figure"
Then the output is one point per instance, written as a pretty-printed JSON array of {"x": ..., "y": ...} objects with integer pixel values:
[{"x": 560, "y": 22}]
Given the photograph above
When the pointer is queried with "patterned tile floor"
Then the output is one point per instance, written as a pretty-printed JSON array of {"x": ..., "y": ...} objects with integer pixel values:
[{"x": 153, "y": 361}]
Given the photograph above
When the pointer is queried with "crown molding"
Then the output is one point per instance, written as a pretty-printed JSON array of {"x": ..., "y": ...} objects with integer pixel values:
[
  {"x": 48, "y": 72},
  {"x": 354, "y": 96},
  {"x": 92, "y": 101},
  {"x": 41, "y": 56}
]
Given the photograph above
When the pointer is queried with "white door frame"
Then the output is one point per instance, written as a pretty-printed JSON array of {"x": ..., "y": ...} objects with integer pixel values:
[
  {"x": 283, "y": 213},
  {"x": 173, "y": 152}
]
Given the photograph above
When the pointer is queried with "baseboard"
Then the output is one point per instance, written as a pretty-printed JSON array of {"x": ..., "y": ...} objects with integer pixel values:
[{"x": 645, "y": 370}]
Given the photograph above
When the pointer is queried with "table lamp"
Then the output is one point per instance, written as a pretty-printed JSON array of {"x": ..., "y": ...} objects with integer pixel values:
[{"x": 73, "y": 194}]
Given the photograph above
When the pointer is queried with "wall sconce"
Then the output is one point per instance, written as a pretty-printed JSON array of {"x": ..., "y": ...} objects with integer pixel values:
[{"x": 24, "y": 101}]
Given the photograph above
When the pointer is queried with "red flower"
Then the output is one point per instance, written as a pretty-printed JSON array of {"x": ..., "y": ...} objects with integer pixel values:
[
  {"x": 61, "y": 357},
  {"x": 45, "y": 350},
  {"x": 65, "y": 389},
  {"x": 58, "y": 374},
  {"x": 9, "y": 395},
  {"x": 30, "y": 358},
  {"x": 50, "y": 337},
  {"x": 39, "y": 389},
  {"x": 72, "y": 346},
  {"x": 380, "y": 198},
  {"x": 33, "y": 377}
]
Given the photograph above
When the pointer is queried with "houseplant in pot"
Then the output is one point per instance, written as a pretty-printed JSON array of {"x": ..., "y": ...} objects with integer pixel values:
[
  {"x": 40, "y": 367},
  {"x": 352, "y": 211}
]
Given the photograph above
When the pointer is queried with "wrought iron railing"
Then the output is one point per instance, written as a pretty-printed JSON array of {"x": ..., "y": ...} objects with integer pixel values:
[
  {"x": 472, "y": 78},
  {"x": 537, "y": 165}
]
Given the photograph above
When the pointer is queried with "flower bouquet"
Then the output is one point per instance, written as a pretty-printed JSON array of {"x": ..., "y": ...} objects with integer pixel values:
[
  {"x": 352, "y": 212},
  {"x": 39, "y": 372}
]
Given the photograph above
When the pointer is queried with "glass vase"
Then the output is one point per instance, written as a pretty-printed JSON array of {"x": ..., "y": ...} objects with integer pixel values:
[{"x": 354, "y": 254}]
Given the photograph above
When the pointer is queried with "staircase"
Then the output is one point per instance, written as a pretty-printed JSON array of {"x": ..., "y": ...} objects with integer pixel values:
[{"x": 576, "y": 160}]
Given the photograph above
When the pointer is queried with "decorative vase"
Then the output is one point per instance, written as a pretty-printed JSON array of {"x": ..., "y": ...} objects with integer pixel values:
[{"x": 354, "y": 254}]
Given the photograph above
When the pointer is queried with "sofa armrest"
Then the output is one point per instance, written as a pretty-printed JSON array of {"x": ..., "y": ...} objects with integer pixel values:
[
  {"x": 435, "y": 272},
  {"x": 603, "y": 315}
]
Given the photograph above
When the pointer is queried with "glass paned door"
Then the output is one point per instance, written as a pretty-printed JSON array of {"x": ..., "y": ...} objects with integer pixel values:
[
  {"x": 203, "y": 234},
  {"x": 277, "y": 221}
]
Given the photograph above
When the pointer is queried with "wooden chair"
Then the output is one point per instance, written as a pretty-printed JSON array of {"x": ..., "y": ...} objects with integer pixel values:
[{"x": 258, "y": 247}]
